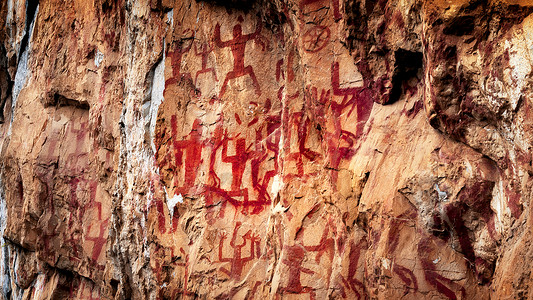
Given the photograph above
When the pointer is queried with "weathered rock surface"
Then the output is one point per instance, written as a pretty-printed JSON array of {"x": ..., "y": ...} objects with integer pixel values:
[{"x": 285, "y": 149}]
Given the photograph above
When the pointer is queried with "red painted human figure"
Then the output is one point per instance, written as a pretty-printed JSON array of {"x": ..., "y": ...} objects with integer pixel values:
[
  {"x": 192, "y": 149},
  {"x": 294, "y": 259},
  {"x": 80, "y": 208},
  {"x": 405, "y": 274},
  {"x": 259, "y": 156},
  {"x": 216, "y": 141},
  {"x": 441, "y": 283},
  {"x": 77, "y": 160},
  {"x": 336, "y": 11},
  {"x": 84, "y": 287},
  {"x": 357, "y": 98},
  {"x": 354, "y": 98},
  {"x": 176, "y": 55},
  {"x": 326, "y": 244},
  {"x": 238, "y": 164},
  {"x": 237, "y": 161},
  {"x": 236, "y": 195},
  {"x": 98, "y": 242},
  {"x": 212, "y": 188},
  {"x": 204, "y": 51},
  {"x": 185, "y": 290},
  {"x": 237, "y": 261},
  {"x": 351, "y": 280},
  {"x": 238, "y": 47},
  {"x": 301, "y": 123}
]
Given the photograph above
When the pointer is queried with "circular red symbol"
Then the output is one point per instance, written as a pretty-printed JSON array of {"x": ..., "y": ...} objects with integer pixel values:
[{"x": 316, "y": 38}]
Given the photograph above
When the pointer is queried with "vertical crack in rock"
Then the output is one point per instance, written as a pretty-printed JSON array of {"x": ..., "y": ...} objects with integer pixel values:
[
  {"x": 5, "y": 279},
  {"x": 5, "y": 82},
  {"x": 32, "y": 7},
  {"x": 11, "y": 87},
  {"x": 23, "y": 71},
  {"x": 156, "y": 97}
]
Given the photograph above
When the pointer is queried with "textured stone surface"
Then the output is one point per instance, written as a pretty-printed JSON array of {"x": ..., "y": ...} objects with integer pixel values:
[{"x": 295, "y": 149}]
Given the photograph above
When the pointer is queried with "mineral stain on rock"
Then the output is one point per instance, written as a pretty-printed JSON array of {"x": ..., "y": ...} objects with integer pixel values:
[{"x": 285, "y": 149}]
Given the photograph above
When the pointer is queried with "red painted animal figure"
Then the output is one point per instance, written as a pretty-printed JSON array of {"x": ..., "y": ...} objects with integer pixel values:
[
  {"x": 204, "y": 51},
  {"x": 237, "y": 261},
  {"x": 238, "y": 47}
]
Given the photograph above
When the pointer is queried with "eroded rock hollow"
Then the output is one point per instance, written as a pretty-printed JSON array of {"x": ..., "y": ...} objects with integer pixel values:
[{"x": 283, "y": 149}]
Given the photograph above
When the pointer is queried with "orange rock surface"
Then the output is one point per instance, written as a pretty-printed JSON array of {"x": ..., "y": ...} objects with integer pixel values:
[{"x": 285, "y": 149}]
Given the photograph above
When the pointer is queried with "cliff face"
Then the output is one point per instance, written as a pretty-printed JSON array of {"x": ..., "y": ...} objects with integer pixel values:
[{"x": 286, "y": 149}]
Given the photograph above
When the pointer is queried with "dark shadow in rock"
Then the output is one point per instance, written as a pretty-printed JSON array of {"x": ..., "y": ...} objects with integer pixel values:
[
  {"x": 60, "y": 101},
  {"x": 241, "y": 5},
  {"x": 31, "y": 8},
  {"x": 406, "y": 67},
  {"x": 460, "y": 26},
  {"x": 5, "y": 82}
]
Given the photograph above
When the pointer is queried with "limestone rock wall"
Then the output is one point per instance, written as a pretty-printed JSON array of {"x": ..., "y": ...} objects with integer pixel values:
[{"x": 284, "y": 149}]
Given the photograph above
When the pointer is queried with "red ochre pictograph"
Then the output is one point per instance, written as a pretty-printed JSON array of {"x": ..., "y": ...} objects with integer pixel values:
[
  {"x": 237, "y": 262},
  {"x": 296, "y": 254},
  {"x": 175, "y": 54},
  {"x": 188, "y": 155},
  {"x": 445, "y": 286},
  {"x": 351, "y": 282},
  {"x": 204, "y": 51},
  {"x": 316, "y": 38},
  {"x": 238, "y": 47}
]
